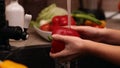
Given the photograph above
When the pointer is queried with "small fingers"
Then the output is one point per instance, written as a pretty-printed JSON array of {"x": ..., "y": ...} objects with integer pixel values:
[
  {"x": 67, "y": 58},
  {"x": 65, "y": 38},
  {"x": 60, "y": 54}
]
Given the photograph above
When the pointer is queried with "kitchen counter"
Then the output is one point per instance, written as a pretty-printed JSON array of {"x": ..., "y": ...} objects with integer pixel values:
[{"x": 34, "y": 39}]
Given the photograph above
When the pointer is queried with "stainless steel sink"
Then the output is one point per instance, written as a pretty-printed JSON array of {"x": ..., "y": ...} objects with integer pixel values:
[{"x": 38, "y": 57}]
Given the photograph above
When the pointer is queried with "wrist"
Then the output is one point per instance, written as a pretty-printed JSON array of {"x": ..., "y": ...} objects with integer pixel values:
[
  {"x": 111, "y": 36},
  {"x": 87, "y": 46},
  {"x": 91, "y": 47}
]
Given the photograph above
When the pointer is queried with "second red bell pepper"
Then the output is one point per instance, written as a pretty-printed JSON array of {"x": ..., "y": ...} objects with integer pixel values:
[{"x": 62, "y": 20}]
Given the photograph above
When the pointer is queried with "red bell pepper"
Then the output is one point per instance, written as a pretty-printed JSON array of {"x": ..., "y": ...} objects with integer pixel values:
[
  {"x": 62, "y": 20},
  {"x": 58, "y": 45}
]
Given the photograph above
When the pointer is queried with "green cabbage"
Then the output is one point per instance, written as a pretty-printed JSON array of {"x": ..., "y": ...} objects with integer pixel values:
[{"x": 49, "y": 12}]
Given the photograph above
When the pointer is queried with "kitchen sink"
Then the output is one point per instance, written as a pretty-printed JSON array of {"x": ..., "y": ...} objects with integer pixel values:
[
  {"x": 38, "y": 57},
  {"x": 32, "y": 56}
]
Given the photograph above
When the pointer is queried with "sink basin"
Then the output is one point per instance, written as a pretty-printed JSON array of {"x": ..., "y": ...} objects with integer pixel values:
[
  {"x": 38, "y": 57},
  {"x": 32, "y": 56}
]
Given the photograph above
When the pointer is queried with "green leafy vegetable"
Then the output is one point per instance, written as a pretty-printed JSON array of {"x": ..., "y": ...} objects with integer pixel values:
[{"x": 49, "y": 12}]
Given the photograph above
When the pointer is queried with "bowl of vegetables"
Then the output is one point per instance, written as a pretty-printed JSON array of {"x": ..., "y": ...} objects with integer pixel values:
[
  {"x": 44, "y": 28},
  {"x": 45, "y": 34},
  {"x": 44, "y": 19},
  {"x": 49, "y": 18}
]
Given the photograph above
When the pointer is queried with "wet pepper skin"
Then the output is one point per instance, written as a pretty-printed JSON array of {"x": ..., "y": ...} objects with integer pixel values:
[{"x": 58, "y": 45}]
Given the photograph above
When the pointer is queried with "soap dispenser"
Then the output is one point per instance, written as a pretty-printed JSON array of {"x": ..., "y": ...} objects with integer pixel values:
[
  {"x": 15, "y": 14},
  {"x": 15, "y": 27}
]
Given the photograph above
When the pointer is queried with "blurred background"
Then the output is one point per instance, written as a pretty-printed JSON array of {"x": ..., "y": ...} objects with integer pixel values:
[{"x": 35, "y": 6}]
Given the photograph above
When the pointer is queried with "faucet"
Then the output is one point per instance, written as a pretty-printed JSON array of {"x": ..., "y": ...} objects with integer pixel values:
[{"x": 9, "y": 32}]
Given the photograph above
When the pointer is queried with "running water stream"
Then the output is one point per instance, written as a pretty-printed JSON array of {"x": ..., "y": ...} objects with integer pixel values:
[
  {"x": 69, "y": 12},
  {"x": 67, "y": 65}
]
